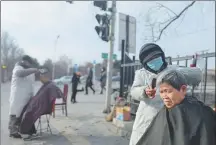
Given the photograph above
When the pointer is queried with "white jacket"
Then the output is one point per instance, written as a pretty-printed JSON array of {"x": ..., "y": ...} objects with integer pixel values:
[
  {"x": 21, "y": 91},
  {"x": 148, "y": 108}
]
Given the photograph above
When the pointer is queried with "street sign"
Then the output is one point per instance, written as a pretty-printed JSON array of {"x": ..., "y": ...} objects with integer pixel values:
[
  {"x": 127, "y": 32},
  {"x": 94, "y": 62},
  {"x": 105, "y": 56}
]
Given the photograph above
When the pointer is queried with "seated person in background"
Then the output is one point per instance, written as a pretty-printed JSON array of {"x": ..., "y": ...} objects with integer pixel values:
[
  {"x": 183, "y": 120},
  {"x": 40, "y": 104}
]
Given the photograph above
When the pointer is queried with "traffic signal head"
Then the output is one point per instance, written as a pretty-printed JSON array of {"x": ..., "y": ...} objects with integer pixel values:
[
  {"x": 101, "y": 4},
  {"x": 98, "y": 18},
  {"x": 103, "y": 28},
  {"x": 102, "y": 19},
  {"x": 69, "y": 1},
  {"x": 103, "y": 32}
]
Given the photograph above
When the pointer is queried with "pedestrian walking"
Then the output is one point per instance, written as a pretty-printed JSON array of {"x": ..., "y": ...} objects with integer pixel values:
[
  {"x": 75, "y": 81},
  {"x": 103, "y": 79},
  {"x": 89, "y": 81}
]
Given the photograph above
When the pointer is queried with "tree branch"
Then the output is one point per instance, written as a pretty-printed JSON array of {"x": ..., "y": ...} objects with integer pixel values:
[
  {"x": 175, "y": 18},
  {"x": 161, "y": 5}
]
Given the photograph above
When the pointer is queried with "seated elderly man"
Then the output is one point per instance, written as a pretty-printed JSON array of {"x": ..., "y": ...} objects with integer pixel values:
[
  {"x": 183, "y": 120},
  {"x": 40, "y": 104}
]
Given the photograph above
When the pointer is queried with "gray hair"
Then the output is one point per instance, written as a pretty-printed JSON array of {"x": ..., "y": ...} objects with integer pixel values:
[{"x": 172, "y": 77}]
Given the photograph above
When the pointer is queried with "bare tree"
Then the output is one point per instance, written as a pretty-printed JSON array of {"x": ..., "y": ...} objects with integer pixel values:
[
  {"x": 62, "y": 66},
  {"x": 156, "y": 27},
  {"x": 49, "y": 64},
  {"x": 82, "y": 69},
  {"x": 11, "y": 53}
]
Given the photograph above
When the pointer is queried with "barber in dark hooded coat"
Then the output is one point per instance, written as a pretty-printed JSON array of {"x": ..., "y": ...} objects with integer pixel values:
[{"x": 154, "y": 63}]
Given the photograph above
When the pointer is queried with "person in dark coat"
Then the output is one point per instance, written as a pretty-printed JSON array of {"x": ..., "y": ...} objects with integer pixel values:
[
  {"x": 75, "y": 81},
  {"x": 103, "y": 79},
  {"x": 89, "y": 81}
]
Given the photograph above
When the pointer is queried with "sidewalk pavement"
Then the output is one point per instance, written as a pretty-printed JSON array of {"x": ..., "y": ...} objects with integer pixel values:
[{"x": 86, "y": 124}]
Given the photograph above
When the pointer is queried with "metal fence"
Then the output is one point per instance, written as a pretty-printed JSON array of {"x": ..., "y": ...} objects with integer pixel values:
[{"x": 206, "y": 89}]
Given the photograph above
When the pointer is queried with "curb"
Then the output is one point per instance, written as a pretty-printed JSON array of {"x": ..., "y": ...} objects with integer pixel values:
[{"x": 121, "y": 128}]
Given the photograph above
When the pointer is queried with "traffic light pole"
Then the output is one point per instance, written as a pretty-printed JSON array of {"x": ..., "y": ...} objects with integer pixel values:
[
  {"x": 0, "y": 71},
  {"x": 110, "y": 60}
]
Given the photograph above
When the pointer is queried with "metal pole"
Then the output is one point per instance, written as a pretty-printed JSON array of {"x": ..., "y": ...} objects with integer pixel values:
[
  {"x": 0, "y": 69},
  {"x": 186, "y": 62},
  {"x": 205, "y": 78},
  {"x": 55, "y": 44},
  {"x": 127, "y": 34},
  {"x": 178, "y": 60},
  {"x": 121, "y": 69},
  {"x": 110, "y": 59},
  {"x": 94, "y": 76}
]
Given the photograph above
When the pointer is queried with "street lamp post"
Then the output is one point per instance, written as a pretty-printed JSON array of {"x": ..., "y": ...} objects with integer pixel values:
[
  {"x": 55, "y": 45},
  {"x": 0, "y": 72}
]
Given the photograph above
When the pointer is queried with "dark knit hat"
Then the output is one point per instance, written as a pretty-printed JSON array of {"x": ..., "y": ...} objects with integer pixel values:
[{"x": 148, "y": 51}]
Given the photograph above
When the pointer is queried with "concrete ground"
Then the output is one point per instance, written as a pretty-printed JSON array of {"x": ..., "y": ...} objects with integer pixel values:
[{"x": 85, "y": 124}]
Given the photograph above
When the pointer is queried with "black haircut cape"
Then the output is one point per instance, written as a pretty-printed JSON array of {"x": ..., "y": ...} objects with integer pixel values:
[{"x": 189, "y": 123}]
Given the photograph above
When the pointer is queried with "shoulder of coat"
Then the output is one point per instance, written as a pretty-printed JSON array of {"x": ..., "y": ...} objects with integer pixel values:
[
  {"x": 141, "y": 71},
  {"x": 18, "y": 67}
]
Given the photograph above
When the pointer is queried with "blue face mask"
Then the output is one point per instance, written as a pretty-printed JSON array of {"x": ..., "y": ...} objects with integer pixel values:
[{"x": 155, "y": 64}]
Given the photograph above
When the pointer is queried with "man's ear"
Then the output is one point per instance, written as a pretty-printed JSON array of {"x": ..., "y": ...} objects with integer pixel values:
[{"x": 184, "y": 88}]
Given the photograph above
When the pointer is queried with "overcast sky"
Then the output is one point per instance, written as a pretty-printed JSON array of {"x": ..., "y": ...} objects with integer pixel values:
[{"x": 35, "y": 26}]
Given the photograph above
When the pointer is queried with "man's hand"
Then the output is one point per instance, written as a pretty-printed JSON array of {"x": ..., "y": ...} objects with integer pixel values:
[
  {"x": 42, "y": 71},
  {"x": 150, "y": 92}
]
